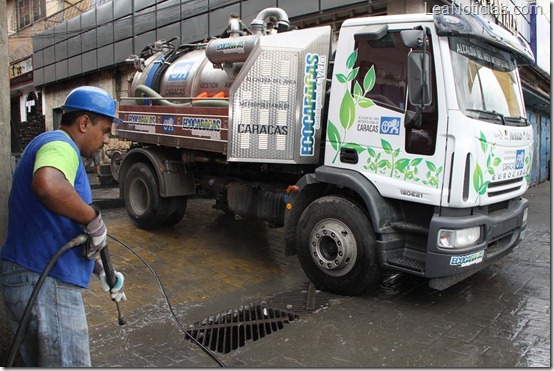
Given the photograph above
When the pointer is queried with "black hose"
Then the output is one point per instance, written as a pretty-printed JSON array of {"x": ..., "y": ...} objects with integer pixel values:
[
  {"x": 206, "y": 350},
  {"x": 79, "y": 240}
]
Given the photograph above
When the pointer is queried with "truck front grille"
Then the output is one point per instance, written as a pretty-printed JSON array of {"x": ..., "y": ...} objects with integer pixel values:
[{"x": 505, "y": 186}]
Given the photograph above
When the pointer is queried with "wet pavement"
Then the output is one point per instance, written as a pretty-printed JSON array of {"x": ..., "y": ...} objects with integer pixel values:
[{"x": 211, "y": 265}]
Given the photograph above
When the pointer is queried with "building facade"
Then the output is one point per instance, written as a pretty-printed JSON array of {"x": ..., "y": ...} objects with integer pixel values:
[{"x": 56, "y": 46}]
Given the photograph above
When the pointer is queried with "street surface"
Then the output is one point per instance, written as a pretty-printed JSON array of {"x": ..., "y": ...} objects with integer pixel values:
[{"x": 211, "y": 264}]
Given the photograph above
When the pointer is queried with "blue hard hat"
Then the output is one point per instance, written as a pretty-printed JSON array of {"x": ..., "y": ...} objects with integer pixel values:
[{"x": 92, "y": 99}]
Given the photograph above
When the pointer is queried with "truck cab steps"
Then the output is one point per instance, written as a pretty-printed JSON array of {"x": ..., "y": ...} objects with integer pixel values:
[
  {"x": 410, "y": 227},
  {"x": 407, "y": 264}
]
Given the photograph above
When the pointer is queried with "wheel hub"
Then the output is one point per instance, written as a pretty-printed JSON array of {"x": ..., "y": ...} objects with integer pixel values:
[
  {"x": 333, "y": 247},
  {"x": 138, "y": 196}
]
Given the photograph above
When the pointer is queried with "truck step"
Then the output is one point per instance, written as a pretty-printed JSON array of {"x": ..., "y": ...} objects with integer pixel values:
[
  {"x": 410, "y": 227},
  {"x": 409, "y": 264}
]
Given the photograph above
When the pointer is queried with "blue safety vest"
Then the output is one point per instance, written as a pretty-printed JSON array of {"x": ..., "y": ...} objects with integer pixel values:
[{"x": 35, "y": 233}]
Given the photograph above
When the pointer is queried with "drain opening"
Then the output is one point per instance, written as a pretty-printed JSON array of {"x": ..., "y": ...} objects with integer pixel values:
[{"x": 230, "y": 330}]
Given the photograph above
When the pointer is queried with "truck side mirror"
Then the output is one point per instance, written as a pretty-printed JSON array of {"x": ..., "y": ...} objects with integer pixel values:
[
  {"x": 419, "y": 68},
  {"x": 412, "y": 38}
]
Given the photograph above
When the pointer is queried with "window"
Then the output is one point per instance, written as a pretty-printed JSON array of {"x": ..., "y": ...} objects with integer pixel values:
[
  {"x": 389, "y": 57},
  {"x": 29, "y": 11},
  {"x": 487, "y": 84}
]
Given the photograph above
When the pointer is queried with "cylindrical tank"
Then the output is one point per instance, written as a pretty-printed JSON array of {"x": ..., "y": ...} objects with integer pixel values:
[
  {"x": 142, "y": 78},
  {"x": 232, "y": 49},
  {"x": 190, "y": 75}
]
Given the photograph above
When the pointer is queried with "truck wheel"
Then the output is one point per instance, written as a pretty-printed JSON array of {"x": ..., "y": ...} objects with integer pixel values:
[
  {"x": 336, "y": 246},
  {"x": 146, "y": 208},
  {"x": 177, "y": 208}
]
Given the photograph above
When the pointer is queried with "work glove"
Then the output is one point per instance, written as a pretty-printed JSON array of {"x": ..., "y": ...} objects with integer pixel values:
[
  {"x": 96, "y": 231},
  {"x": 116, "y": 293}
]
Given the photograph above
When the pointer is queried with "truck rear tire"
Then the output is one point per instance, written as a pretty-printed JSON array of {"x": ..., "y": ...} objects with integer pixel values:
[
  {"x": 336, "y": 246},
  {"x": 146, "y": 208},
  {"x": 177, "y": 209}
]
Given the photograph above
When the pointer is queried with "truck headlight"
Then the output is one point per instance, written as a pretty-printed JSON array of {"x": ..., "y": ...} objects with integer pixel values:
[{"x": 456, "y": 238}]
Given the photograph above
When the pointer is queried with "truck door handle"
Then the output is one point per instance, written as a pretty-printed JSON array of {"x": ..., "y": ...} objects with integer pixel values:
[{"x": 348, "y": 155}]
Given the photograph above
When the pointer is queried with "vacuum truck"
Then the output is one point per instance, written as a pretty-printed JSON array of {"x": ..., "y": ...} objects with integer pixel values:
[{"x": 403, "y": 145}]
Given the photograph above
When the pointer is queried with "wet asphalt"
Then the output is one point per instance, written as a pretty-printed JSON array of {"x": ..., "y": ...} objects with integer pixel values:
[{"x": 221, "y": 273}]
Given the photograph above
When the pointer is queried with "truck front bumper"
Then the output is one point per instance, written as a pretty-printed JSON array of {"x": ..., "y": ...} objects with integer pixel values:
[{"x": 501, "y": 232}]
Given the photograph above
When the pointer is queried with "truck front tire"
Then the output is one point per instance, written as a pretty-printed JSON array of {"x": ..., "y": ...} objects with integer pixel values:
[{"x": 336, "y": 246}]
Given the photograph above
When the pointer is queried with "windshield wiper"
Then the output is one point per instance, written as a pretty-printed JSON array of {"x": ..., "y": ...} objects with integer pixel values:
[
  {"x": 519, "y": 119},
  {"x": 493, "y": 113}
]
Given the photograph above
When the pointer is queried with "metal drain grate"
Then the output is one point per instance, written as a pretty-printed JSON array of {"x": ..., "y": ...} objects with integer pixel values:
[
  {"x": 302, "y": 300},
  {"x": 230, "y": 330}
]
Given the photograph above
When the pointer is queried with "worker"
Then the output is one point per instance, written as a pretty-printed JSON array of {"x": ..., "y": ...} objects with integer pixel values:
[
  {"x": 98, "y": 160},
  {"x": 49, "y": 205}
]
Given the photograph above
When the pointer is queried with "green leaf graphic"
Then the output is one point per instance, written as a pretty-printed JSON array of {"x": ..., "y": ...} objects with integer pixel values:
[
  {"x": 477, "y": 178},
  {"x": 369, "y": 79},
  {"x": 386, "y": 146},
  {"x": 497, "y": 161},
  {"x": 383, "y": 163},
  {"x": 341, "y": 77},
  {"x": 352, "y": 59},
  {"x": 371, "y": 151},
  {"x": 483, "y": 140},
  {"x": 366, "y": 103},
  {"x": 347, "y": 111},
  {"x": 483, "y": 188},
  {"x": 402, "y": 164},
  {"x": 334, "y": 135},
  {"x": 358, "y": 92},
  {"x": 352, "y": 75},
  {"x": 416, "y": 161},
  {"x": 431, "y": 166}
]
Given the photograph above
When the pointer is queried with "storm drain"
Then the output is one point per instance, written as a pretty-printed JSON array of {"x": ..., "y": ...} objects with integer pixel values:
[
  {"x": 302, "y": 300},
  {"x": 230, "y": 330}
]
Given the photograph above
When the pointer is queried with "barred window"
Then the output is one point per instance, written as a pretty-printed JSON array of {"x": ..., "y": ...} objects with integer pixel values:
[{"x": 29, "y": 11}]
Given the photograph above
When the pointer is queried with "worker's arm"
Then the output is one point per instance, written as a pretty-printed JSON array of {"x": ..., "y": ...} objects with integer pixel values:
[{"x": 58, "y": 195}]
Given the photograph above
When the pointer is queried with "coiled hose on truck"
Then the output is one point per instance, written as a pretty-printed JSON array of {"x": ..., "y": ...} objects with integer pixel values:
[{"x": 151, "y": 93}]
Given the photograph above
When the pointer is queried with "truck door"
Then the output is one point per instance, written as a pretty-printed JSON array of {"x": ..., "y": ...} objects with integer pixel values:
[{"x": 396, "y": 143}]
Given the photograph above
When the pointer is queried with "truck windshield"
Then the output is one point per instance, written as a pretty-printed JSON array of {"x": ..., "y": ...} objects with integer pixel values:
[{"x": 487, "y": 83}]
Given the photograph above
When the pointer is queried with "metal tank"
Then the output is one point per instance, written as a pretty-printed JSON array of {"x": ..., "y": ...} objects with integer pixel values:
[
  {"x": 191, "y": 75},
  {"x": 207, "y": 71}
]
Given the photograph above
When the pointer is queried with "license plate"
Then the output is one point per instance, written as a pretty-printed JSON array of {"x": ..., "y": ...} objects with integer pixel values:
[{"x": 467, "y": 260}]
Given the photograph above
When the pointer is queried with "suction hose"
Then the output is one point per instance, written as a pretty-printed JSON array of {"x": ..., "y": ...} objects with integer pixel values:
[
  {"x": 79, "y": 240},
  {"x": 164, "y": 102}
]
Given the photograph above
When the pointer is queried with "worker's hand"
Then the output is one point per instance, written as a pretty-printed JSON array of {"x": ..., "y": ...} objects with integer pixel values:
[
  {"x": 116, "y": 293},
  {"x": 96, "y": 231}
]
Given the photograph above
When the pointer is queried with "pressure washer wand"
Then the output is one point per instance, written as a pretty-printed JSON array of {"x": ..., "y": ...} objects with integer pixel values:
[{"x": 111, "y": 279}]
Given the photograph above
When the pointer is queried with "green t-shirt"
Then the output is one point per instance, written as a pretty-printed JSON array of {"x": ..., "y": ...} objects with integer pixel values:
[{"x": 59, "y": 155}]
